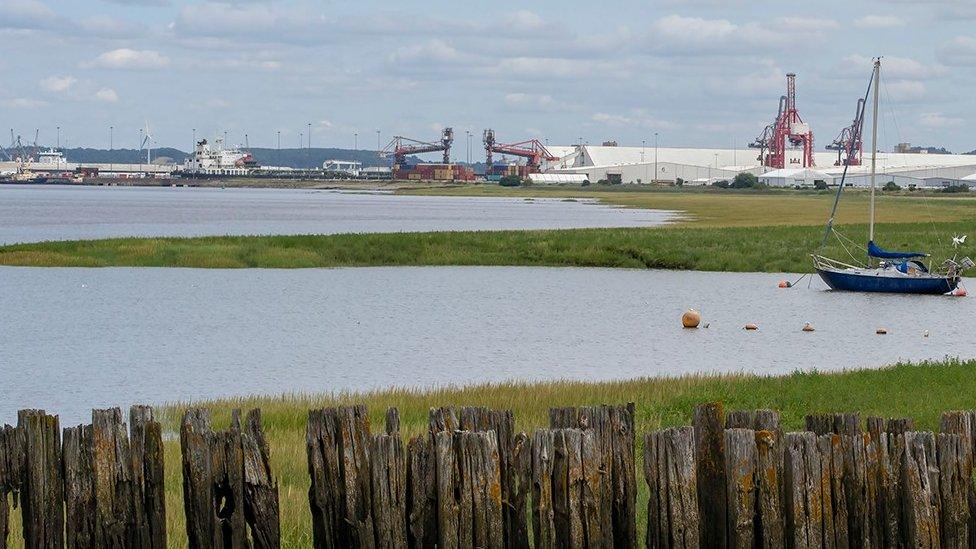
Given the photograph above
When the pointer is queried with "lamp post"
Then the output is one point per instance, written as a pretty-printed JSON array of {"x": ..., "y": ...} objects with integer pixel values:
[
  {"x": 643, "y": 144},
  {"x": 194, "y": 143},
  {"x": 467, "y": 144},
  {"x": 309, "y": 136},
  {"x": 378, "y": 149},
  {"x": 355, "y": 141},
  {"x": 111, "y": 138},
  {"x": 278, "y": 149},
  {"x": 655, "y": 156},
  {"x": 59, "y": 137}
]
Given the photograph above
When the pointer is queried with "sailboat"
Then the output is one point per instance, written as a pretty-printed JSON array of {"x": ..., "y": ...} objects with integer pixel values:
[{"x": 886, "y": 270}]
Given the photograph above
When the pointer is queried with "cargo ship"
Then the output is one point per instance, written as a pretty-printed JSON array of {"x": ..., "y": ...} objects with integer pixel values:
[{"x": 216, "y": 161}]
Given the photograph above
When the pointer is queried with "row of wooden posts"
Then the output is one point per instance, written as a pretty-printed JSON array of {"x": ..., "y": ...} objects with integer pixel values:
[{"x": 728, "y": 480}]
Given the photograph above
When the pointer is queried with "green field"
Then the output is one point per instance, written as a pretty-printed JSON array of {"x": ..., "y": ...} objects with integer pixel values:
[
  {"x": 721, "y": 231},
  {"x": 918, "y": 391}
]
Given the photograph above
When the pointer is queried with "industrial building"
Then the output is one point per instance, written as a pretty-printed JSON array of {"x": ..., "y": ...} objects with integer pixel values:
[{"x": 645, "y": 165}]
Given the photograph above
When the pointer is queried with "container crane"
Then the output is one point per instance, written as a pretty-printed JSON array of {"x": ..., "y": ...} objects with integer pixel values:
[
  {"x": 401, "y": 146},
  {"x": 788, "y": 131},
  {"x": 532, "y": 150},
  {"x": 843, "y": 143}
]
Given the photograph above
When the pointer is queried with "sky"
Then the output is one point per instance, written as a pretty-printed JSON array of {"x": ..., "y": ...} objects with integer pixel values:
[{"x": 698, "y": 73}]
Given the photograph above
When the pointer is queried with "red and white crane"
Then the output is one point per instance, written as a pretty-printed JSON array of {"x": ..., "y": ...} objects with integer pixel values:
[
  {"x": 532, "y": 150},
  {"x": 845, "y": 144},
  {"x": 401, "y": 146},
  {"x": 788, "y": 141}
]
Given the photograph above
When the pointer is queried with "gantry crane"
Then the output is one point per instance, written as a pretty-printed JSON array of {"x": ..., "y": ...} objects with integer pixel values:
[
  {"x": 532, "y": 150},
  {"x": 845, "y": 142},
  {"x": 401, "y": 146},
  {"x": 787, "y": 131}
]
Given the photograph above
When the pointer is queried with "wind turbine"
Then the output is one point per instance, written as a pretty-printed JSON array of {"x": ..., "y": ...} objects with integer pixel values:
[{"x": 147, "y": 141}]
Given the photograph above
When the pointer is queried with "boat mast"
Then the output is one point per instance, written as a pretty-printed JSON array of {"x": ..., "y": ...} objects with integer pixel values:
[{"x": 874, "y": 144}]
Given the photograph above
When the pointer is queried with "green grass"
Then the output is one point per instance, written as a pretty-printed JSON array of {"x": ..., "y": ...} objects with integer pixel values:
[
  {"x": 920, "y": 391},
  {"x": 739, "y": 249}
]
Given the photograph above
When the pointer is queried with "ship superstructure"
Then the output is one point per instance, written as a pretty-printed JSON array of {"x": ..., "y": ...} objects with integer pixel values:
[{"x": 216, "y": 160}]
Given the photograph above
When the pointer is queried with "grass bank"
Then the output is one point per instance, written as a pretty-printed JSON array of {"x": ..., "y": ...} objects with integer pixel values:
[
  {"x": 709, "y": 207},
  {"x": 920, "y": 391},
  {"x": 739, "y": 249}
]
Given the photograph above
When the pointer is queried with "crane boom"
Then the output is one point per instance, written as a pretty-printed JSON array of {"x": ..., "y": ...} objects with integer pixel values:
[
  {"x": 400, "y": 147},
  {"x": 532, "y": 150}
]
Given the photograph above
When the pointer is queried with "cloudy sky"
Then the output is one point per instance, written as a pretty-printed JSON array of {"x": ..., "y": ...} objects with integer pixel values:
[{"x": 698, "y": 72}]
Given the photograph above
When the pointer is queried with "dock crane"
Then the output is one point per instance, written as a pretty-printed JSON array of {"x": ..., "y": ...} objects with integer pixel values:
[
  {"x": 787, "y": 130},
  {"x": 401, "y": 146},
  {"x": 532, "y": 150},
  {"x": 842, "y": 144}
]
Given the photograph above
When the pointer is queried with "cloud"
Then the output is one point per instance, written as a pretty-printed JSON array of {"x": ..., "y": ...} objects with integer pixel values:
[
  {"x": 106, "y": 26},
  {"x": 125, "y": 58},
  {"x": 935, "y": 120},
  {"x": 536, "y": 102},
  {"x": 276, "y": 23},
  {"x": 638, "y": 118},
  {"x": 681, "y": 34},
  {"x": 58, "y": 84},
  {"x": 107, "y": 95},
  {"x": 139, "y": 2},
  {"x": 960, "y": 51},
  {"x": 23, "y": 103},
  {"x": 28, "y": 15},
  {"x": 879, "y": 22},
  {"x": 898, "y": 68}
]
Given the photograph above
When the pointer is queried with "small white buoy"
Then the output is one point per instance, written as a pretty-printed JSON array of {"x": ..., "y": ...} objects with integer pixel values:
[{"x": 691, "y": 318}]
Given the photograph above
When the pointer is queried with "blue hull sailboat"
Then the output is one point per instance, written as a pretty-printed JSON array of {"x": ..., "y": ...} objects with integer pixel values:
[{"x": 885, "y": 271}]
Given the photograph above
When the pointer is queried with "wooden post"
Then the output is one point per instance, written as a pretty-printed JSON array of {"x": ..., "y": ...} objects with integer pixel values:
[
  {"x": 740, "y": 474},
  {"x": 389, "y": 477},
  {"x": 148, "y": 474},
  {"x": 709, "y": 424},
  {"x": 519, "y": 489},
  {"x": 614, "y": 427},
  {"x": 260, "y": 487},
  {"x": 42, "y": 486},
  {"x": 421, "y": 492},
  {"x": 392, "y": 421},
  {"x": 79, "y": 492},
  {"x": 954, "y": 454},
  {"x": 963, "y": 423},
  {"x": 468, "y": 490},
  {"x": 11, "y": 474},
  {"x": 768, "y": 489},
  {"x": 112, "y": 479},
  {"x": 543, "y": 512},
  {"x": 806, "y": 487},
  {"x": 227, "y": 483},
  {"x": 338, "y": 441},
  {"x": 922, "y": 520},
  {"x": 669, "y": 470}
]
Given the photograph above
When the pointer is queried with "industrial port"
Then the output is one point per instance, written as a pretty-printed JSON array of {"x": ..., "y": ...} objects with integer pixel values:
[{"x": 783, "y": 155}]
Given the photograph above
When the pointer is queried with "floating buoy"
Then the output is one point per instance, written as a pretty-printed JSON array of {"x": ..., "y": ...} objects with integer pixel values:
[
  {"x": 881, "y": 331},
  {"x": 784, "y": 284},
  {"x": 807, "y": 327},
  {"x": 959, "y": 292},
  {"x": 751, "y": 326},
  {"x": 926, "y": 334},
  {"x": 691, "y": 318}
]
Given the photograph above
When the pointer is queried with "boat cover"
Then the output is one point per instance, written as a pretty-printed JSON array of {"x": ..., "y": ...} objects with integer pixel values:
[{"x": 876, "y": 251}]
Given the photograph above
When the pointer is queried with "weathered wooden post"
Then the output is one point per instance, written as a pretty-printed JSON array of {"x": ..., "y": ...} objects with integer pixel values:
[
  {"x": 672, "y": 508},
  {"x": 421, "y": 492},
  {"x": 468, "y": 490},
  {"x": 954, "y": 454},
  {"x": 42, "y": 485},
  {"x": 804, "y": 503},
  {"x": 709, "y": 423},
  {"x": 79, "y": 492},
  {"x": 338, "y": 442},
  {"x": 543, "y": 511},
  {"x": 614, "y": 428},
  {"x": 11, "y": 474},
  {"x": 769, "y": 489},
  {"x": 740, "y": 474},
  {"x": 918, "y": 492},
  {"x": 148, "y": 474},
  {"x": 227, "y": 483},
  {"x": 389, "y": 485}
]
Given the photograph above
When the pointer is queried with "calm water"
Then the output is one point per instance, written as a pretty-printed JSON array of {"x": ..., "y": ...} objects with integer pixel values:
[
  {"x": 31, "y": 213},
  {"x": 71, "y": 339}
]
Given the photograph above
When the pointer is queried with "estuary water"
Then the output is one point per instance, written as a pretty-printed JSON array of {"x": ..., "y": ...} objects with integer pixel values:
[
  {"x": 73, "y": 339},
  {"x": 32, "y": 213}
]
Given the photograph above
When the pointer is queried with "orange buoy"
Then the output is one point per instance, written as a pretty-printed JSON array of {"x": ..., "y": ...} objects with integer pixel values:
[
  {"x": 691, "y": 318},
  {"x": 807, "y": 327},
  {"x": 959, "y": 292},
  {"x": 881, "y": 331},
  {"x": 751, "y": 326},
  {"x": 784, "y": 284}
]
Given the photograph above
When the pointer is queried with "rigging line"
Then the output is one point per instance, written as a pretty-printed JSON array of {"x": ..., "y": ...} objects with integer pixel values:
[
  {"x": 856, "y": 136},
  {"x": 891, "y": 107},
  {"x": 842, "y": 245}
]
